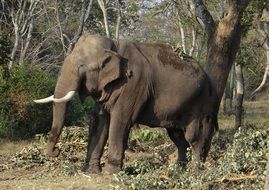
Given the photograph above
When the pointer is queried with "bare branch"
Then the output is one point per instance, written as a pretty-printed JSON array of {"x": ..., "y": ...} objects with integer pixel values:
[
  {"x": 83, "y": 17},
  {"x": 118, "y": 21},
  {"x": 88, "y": 11},
  {"x": 59, "y": 25},
  {"x": 103, "y": 8},
  {"x": 266, "y": 72},
  {"x": 28, "y": 39}
]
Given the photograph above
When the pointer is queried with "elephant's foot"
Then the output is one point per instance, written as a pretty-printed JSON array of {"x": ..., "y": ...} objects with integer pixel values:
[
  {"x": 53, "y": 153},
  {"x": 182, "y": 164},
  {"x": 93, "y": 168},
  {"x": 200, "y": 166},
  {"x": 197, "y": 165},
  {"x": 112, "y": 169}
]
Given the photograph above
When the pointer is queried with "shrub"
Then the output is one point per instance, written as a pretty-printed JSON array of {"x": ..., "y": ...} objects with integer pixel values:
[
  {"x": 19, "y": 116},
  {"x": 234, "y": 163}
]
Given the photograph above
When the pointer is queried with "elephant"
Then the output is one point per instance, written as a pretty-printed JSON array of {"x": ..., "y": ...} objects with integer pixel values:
[{"x": 134, "y": 82}]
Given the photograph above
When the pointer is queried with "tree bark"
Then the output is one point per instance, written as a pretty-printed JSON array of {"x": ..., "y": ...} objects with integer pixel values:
[
  {"x": 224, "y": 102},
  {"x": 239, "y": 96},
  {"x": 231, "y": 91},
  {"x": 117, "y": 33},
  {"x": 223, "y": 41},
  {"x": 28, "y": 39},
  {"x": 194, "y": 41},
  {"x": 182, "y": 35}
]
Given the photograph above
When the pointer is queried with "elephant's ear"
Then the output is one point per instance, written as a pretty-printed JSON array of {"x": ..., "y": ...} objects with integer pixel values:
[{"x": 110, "y": 69}]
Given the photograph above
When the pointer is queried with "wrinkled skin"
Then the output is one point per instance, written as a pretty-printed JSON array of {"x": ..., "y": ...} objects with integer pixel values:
[{"x": 135, "y": 83}]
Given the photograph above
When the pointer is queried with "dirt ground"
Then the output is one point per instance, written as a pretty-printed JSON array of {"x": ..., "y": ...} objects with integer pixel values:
[{"x": 42, "y": 178}]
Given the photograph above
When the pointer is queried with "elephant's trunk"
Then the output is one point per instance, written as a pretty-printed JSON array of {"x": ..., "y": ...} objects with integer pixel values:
[
  {"x": 59, "y": 110},
  {"x": 65, "y": 89}
]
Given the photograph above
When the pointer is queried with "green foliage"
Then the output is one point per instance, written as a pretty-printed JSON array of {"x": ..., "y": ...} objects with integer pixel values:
[
  {"x": 20, "y": 117},
  {"x": 143, "y": 138},
  {"x": 252, "y": 59},
  {"x": 145, "y": 134},
  {"x": 4, "y": 55},
  {"x": 237, "y": 161},
  {"x": 4, "y": 50},
  {"x": 73, "y": 145},
  {"x": 255, "y": 7},
  {"x": 234, "y": 163}
]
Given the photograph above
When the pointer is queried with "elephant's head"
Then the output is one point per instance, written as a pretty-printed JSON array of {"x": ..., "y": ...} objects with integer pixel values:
[{"x": 90, "y": 69}]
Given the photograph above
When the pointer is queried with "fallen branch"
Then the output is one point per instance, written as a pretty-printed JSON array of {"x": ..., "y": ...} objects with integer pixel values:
[{"x": 226, "y": 180}]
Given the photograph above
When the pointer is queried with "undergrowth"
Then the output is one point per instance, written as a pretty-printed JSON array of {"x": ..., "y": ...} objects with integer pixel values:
[
  {"x": 237, "y": 160},
  {"x": 20, "y": 117}
]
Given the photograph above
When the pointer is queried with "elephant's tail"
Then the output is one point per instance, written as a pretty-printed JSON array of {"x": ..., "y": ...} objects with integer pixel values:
[{"x": 215, "y": 122}]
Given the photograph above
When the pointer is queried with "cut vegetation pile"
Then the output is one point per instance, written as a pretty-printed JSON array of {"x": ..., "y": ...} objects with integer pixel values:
[{"x": 236, "y": 160}]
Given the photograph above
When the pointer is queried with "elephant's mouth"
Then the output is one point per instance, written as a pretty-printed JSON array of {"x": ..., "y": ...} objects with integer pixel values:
[
  {"x": 104, "y": 95},
  {"x": 95, "y": 94}
]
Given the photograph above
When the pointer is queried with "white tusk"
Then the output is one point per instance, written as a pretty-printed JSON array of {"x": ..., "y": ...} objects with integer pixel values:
[
  {"x": 44, "y": 100},
  {"x": 66, "y": 98}
]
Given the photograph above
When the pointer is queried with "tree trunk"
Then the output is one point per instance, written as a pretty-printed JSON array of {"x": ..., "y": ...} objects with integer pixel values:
[
  {"x": 16, "y": 44},
  {"x": 224, "y": 102},
  {"x": 223, "y": 41},
  {"x": 194, "y": 38},
  {"x": 239, "y": 96},
  {"x": 28, "y": 39},
  {"x": 103, "y": 8},
  {"x": 231, "y": 91},
  {"x": 182, "y": 35},
  {"x": 117, "y": 33}
]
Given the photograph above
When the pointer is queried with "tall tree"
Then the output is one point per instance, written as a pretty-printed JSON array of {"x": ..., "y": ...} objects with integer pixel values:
[
  {"x": 22, "y": 16},
  {"x": 239, "y": 95},
  {"x": 263, "y": 29},
  {"x": 223, "y": 40}
]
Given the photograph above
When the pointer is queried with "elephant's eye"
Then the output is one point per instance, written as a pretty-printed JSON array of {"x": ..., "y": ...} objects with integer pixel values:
[{"x": 105, "y": 61}]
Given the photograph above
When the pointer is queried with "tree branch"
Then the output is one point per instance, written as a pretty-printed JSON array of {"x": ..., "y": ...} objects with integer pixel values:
[
  {"x": 83, "y": 17},
  {"x": 204, "y": 17},
  {"x": 59, "y": 26},
  {"x": 229, "y": 179},
  {"x": 103, "y": 8}
]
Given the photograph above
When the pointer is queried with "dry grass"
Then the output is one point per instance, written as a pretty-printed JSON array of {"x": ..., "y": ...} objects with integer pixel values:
[{"x": 256, "y": 113}]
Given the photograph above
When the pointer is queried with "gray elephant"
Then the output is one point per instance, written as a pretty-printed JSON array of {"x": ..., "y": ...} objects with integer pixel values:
[{"x": 134, "y": 83}]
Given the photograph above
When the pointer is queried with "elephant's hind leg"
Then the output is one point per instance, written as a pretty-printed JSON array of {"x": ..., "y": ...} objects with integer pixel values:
[
  {"x": 97, "y": 139},
  {"x": 178, "y": 137}
]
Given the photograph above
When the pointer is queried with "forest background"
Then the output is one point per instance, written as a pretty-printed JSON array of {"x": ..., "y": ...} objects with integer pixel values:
[{"x": 36, "y": 36}]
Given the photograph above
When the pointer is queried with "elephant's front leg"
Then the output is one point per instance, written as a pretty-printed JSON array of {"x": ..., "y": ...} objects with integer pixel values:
[
  {"x": 117, "y": 142},
  {"x": 97, "y": 139}
]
